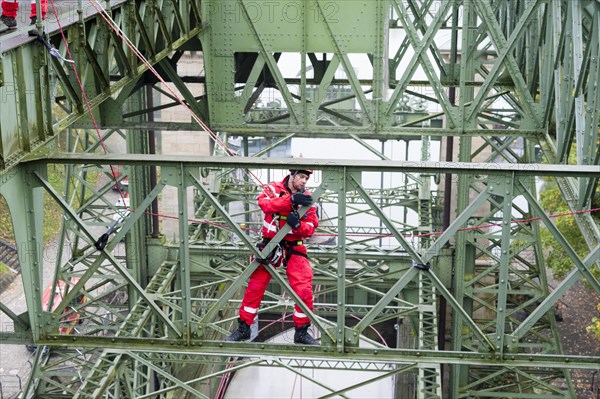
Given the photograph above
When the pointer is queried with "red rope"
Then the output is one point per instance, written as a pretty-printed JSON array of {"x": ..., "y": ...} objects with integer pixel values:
[
  {"x": 140, "y": 56},
  {"x": 556, "y": 215},
  {"x": 87, "y": 103},
  {"x": 483, "y": 226},
  {"x": 110, "y": 22}
]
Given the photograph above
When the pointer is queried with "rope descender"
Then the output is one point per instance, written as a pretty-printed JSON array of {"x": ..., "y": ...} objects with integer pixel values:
[
  {"x": 421, "y": 266},
  {"x": 54, "y": 52}
]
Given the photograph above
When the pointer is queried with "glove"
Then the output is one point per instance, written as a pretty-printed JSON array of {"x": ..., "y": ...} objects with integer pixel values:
[
  {"x": 301, "y": 199},
  {"x": 293, "y": 219}
]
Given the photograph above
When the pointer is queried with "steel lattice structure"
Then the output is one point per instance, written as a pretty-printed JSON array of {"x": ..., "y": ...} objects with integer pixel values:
[{"x": 444, "y": 248}]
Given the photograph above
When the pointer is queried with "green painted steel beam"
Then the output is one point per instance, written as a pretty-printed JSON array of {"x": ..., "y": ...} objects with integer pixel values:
[
  {"x": 171, "y": 168},
  {"x": 493, "y": 75},
  {"x": 316, "y": 354},
  {"x": 467, "y": 168},
  {"x": 35, "y": 128}
]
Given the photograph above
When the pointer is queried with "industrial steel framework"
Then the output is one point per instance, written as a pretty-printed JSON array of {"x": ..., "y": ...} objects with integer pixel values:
[{"x": 444, "y": 251}]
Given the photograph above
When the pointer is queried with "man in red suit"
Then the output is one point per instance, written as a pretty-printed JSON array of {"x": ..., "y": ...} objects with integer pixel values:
[{"x": 280, "y": 202}]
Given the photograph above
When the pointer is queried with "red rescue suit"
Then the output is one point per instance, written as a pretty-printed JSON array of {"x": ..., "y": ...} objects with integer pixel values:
[
  {"x": 275, "y": 201},
  {"x": 9, "y": 8}
]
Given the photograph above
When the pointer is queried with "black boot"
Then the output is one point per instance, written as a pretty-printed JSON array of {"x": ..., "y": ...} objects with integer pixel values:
[
  {"x": 242, "y": 333},
  {"x": 10, "y": 22},
  {"x": 302, "y": 336}
]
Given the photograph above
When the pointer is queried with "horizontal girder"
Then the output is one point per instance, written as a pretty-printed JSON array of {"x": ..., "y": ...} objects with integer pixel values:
[{"x": 491, "y": 169}]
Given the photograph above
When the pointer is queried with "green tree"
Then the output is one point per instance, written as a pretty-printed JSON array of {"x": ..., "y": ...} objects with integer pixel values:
[
  {"x": 556, "y": 258},
  {"x": 594, "y": 328}
]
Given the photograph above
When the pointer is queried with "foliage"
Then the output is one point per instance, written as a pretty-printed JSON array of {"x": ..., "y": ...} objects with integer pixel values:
[
  {"x": 3, "y": 268},
  {"x": 6, "y": 276},
  {"x": 52, "y": 212},
  {"x": 594, "y": 328},
  {"x": 556, "y": 256},
  {"x": 6, "y": 226}
]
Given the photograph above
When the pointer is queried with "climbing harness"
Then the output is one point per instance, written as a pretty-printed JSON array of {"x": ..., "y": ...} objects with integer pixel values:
[
  {"x": 274, "y": 258},
  {"x": 289, "y": 250}
]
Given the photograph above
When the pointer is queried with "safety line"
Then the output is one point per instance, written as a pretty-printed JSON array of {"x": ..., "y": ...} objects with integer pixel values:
[
  {"x": 84, "y": 96},
  {"x": 483, "y": 226},
  {"x": 132, "y": 47},
  {"x": 108, "y": 19},
  {"x": 102, "y": 12}
]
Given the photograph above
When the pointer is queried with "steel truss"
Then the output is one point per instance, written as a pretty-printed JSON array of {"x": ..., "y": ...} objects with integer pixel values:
[
  {"x": 518, "y": 77},
  {"x": 166, "y": 320}
]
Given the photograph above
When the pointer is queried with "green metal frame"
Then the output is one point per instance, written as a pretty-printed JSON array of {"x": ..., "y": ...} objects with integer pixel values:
[
  {"x": 170, "y": 308},
  {"x": 523, "y": 77}
]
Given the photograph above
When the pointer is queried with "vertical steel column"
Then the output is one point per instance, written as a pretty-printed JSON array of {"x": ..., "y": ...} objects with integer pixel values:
[
  {"x": 183, "y": 254},
  {"x": 505, "y": 190},
  {"x": 24, "y": 198},
  {"x": 340, "y": 332},
  {"x": 135, "y": 241},
  {"x": 465, "y": 263}
]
